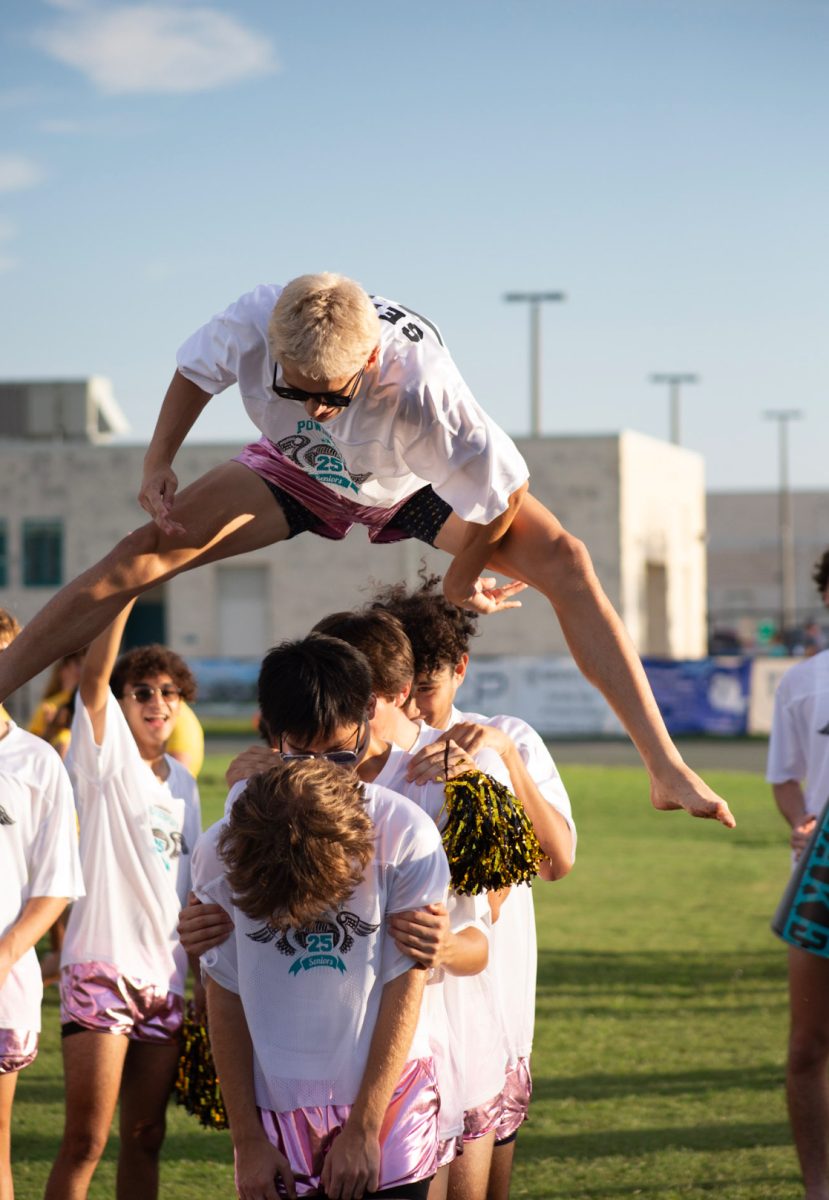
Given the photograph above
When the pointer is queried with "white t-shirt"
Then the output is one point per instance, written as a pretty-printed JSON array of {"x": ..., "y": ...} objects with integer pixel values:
[
  {"x": 413, "y": 420},
  {"x": 311, "y": 997},
  {"x": 137, "y": 838},
  {"x": 799, "y": 742},
  {"x": 38, "y": 856},
  {"x": 513, "y": 951},
  {"x": 467, "y": 1017}
]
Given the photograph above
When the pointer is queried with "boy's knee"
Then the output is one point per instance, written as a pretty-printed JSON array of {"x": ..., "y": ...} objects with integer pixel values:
[
  {"x": 146, "y": 1136},
  {"x": 82, "y": 1147},
  {"x": 566, "y": 565},
  {"x": 136, "y": 561},
  {"x": 808, "y": 1050}
]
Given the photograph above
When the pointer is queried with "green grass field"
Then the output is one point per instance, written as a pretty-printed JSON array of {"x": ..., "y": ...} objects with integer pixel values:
[{"x": 661, "y": 1016}]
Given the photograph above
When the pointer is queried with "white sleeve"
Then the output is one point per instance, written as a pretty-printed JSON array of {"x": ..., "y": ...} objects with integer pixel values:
[
  {"x": 470, "y": 462},
  {"x": 420, "y": 876},
  {"x": 117, "y": 754},
  {"x": 467, "y": 912},
  {"x": 54, "y": 866},
  {"x": 211, "y": 887},
  {"x": 211, "y": 356},
  {"x": 787, "y": 757}
]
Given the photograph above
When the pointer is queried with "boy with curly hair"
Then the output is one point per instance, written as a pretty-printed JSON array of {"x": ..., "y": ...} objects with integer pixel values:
[
  {"x": 440, "y": 635},
  {"x": 123, "y": 969}
]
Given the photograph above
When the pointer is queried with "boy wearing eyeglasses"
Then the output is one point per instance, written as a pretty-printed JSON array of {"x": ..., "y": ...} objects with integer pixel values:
[
  {"x": 365, "y": 418},
  {"x": 315, "y": 1019},
  {"x": 123, "y": 969}
]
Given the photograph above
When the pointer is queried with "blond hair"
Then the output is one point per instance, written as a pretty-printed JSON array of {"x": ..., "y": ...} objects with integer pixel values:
[{"x": 323, "y": 325}]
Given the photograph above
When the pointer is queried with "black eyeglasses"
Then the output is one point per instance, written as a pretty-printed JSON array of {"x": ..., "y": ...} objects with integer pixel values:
[
  {"x": 340, "y": 758},
  {"x": 340, "y": 399},
  {"x": 143, "y": 693}
]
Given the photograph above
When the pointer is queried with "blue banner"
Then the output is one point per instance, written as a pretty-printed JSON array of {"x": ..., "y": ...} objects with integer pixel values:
[{"x": 704, "y": 696}]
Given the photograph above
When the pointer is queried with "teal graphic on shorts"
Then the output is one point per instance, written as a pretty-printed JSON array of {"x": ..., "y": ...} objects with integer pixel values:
[{"x": 318, "y": 942}]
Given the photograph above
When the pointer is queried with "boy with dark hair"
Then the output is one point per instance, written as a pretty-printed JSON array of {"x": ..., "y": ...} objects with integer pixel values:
[
  {"x": 339, "y": 1093},
  {"x": 440, "y": 635},
  {"x": 123, "y": 970},
  {"x": 39, "y": 873}
]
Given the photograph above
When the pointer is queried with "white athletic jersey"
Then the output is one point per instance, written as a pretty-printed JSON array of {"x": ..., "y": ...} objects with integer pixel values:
[
  {"x": 137, "y": 837},
  {"x": 38, "y": 856},
  {"x": 413, "y": 421},
  {"x": 467, "y": 1016},
  {"x": 311, "y": 996},
  {"x": 799, "y": 742},
  {"x": 513, "y": 951}
]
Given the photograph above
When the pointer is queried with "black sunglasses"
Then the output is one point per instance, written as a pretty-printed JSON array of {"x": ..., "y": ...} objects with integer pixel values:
[
  {"x": 340, "y": 399},
  {"x": 340, "y": 758}
]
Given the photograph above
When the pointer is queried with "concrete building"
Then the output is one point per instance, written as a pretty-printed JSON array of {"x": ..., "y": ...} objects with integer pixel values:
[
  {"x": 744, "y": 559},
  {"x": 638, "y": 503}
]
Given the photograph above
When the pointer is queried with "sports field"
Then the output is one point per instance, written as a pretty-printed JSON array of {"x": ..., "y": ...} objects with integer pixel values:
[{"x": 661, "y": 1016}]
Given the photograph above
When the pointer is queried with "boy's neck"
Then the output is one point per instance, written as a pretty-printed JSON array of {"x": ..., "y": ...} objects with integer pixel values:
[{"x": 374, "y": 759}]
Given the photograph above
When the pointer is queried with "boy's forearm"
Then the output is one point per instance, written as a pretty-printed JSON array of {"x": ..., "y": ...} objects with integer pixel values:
[
  {"x": 180, "y": 409},
  {"x": 790, "y": 800},
  {"x": 551, "y": 829},
  {"x": 390, "y": 1045},
  {"x": 477, "y": 549},
  {"x": 233, "y": 1055}
]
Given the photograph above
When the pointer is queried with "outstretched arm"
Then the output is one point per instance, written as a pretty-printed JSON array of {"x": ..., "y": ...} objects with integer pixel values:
[
  {"x": 352, "y": 1165},
  {"x": 93, "y": 688},
  {"x": 180, "y": 409}
]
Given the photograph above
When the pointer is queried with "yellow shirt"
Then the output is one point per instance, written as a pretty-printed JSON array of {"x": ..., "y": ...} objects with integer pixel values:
[{"x": 187, "y": 739}]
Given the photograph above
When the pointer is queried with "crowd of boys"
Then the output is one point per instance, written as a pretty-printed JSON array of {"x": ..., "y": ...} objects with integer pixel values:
[{"x": 326, "y": 900}]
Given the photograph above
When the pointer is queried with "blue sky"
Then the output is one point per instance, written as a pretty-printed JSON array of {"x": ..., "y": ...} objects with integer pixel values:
[{"x": 663, "y": 162}]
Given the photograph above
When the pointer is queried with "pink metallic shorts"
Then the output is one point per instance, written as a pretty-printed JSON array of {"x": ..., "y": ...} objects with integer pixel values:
[
  {"x": 409, "y": 1137},
  {"x": 18, "y": 1049},
  {"x": 449, "y": 1150},
  {"x": 481, "y": 1120},
  {"x": 515, "y": 1100},
  {"x": 94, "y": 996}
]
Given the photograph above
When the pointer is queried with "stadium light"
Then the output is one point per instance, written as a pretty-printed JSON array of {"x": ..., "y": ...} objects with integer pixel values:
[
  {"x": 785, "y": 522},
  {"x": 674, "y": 380},
  {"x": 535, "y": 300}
]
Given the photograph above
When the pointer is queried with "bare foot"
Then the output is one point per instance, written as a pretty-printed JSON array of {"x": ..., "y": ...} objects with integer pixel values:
[{"x": 686, "y": 790}]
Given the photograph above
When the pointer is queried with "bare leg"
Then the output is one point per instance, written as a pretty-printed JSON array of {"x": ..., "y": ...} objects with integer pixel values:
[
  {"x": 227, "y": 512},
  {"x": 145, "y": 1089},
  {"x": 538, "y": 550},
  {"x": 806, "y": 1084},
  {"x": 7, "y": 1085},
  {"x": 500, "y": 1173},
  {"x": 92, "y": 1065},
  {"x": 439, "y": 1184},
  {"x": 469, "y": 1173}
]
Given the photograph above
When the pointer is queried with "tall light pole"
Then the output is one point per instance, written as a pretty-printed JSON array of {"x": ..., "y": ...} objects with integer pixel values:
[
  {"x": 674, "y": 380},
  {"x": 784, "y": 509},
  {"x": 535, "y": 300}
]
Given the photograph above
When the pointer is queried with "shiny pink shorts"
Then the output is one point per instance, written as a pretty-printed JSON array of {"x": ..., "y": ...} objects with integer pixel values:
[
  {"x": 515, "y": 1100},
  {"x": 481, "y": 1120},
  {"x": 94, "y": 996},
  {"x": 18, "y": 1049},
  {"x": 409, "y": 1137}
]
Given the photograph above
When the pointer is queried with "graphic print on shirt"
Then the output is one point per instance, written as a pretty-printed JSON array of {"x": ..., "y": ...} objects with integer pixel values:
[
  {"x": 169, "y": 839},
  {"x": 312, "y": 449},
  {"x": 318, "y": 941},
  {"x": 5, "y": 819}
]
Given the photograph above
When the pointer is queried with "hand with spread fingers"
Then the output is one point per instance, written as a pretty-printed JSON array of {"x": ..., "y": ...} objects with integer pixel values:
[{"x": 422, "y": 933}]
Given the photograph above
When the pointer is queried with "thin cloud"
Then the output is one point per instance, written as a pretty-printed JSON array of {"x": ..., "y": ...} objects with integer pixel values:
[
  {"x": 7, "y": 233},
  {"x": 159, "y": 48},
  {"x": 17, "y": 173}
]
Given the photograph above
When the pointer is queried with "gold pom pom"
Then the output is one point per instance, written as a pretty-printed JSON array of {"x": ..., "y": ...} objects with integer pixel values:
[
  {"x": 489, "y": 839},
  {"x": 197, "y": 1085}
]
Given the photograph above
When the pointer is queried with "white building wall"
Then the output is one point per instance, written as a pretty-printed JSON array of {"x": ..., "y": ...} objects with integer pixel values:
[
  {"x": 597, "y": 486},
  {"x": 662, "y": 522}
]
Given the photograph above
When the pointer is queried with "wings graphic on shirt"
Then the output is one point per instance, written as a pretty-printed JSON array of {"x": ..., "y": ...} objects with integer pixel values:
[
  {"x": 348, "y": 925},
  {"x": 5, "y": 819}
]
